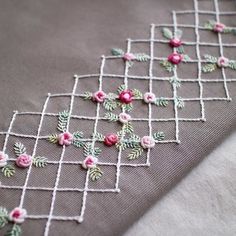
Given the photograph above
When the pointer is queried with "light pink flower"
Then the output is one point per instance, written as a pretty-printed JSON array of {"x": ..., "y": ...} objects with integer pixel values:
[
  {"x": 23, "y": 160},
  {"x": 223, "y": 62},
  {"x": 147, "y": 142},
  {"x": 219, "y": 27},
  {"x": 124, "y": 117},
  {"x": 89, "y": 162},
  {"x": 17, "y": 215},
  {"x": 129, "y": 56},
  {"x": 175, "y": 42},
  {"x": 3, "y": 159},
  {"x": 99, "y": 96},
  {"x": 175, "y": 58},
  {"x": 149, "y": 97},
  {"x": 65, "y": 138}
]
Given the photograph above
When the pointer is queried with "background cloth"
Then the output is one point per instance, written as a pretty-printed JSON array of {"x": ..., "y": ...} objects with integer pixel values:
[{"x": 43, "y": 43}]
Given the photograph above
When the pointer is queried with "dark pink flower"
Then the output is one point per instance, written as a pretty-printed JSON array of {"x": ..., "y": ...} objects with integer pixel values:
[
  {"x": 175, "y": 58},
  {"x": 126, "y": 96},
  {"x": 17, "y": 215},
  {"x": 110, "y": 140}
]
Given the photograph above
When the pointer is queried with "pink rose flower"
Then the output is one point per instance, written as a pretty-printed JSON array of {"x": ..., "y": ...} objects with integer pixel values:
[
  {"x": 175, "y": 42},
  {"x": 17, "y": 215},
  {"x": 89, "y": 162},
  {"x": 99, "y": 96},
  {"x": 124, "y": 117},
  {"x": 65, "y": 138},
  {"x": 110, "y": 139},
  {"x": 3, "y": 159},
  {"x": 24, "y": 160},
  {"x": 128, "y": 56},
  {"x": 175, "y": 58},
  {"x": 219, "y": 27},
  {"x": 149, "y": 97},
  {"x": 126, "y": 96},
  {"x": 223, "y": 62},
  {"x": 147, "y": 142}
]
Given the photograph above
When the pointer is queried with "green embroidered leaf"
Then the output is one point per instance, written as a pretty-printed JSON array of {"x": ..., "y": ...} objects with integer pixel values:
[
  {"x": 19, "y": 148},
  {"x": 87, "y": 95},
  {"x": 120, "y": 133},
  {"x": 209, "y": 25},
  {"x": 62, "y": 121},
  {"x": 78, "y": 135},
  {"x": 161, "y": 102},
  {"x": 8, "y": 171},
  {"x": 232, "y": 65},
  {"x": 175, "y": 81},
  {"x": 88, "y": 150},
  {"x": 3, "y": 217},
  {"x": 137, "y": 93},
  {"x": 128, "y": 128},
  {"x": 78, "y": 143},
  {"x": 129, "y": 64},
  {"x": 126, "y": 144},
  {"x": 210, "y": 58},
  {"x": 95, "y": 173},
  {"x": 53, "y": 138},
  {"x": 167, "y": 65},
  {"x": 227, "y": 30},
  {"x": 159, "y": 136},
  {"x": 121, "y": 88},
  {"x": 180, "y": 50},
  {"x": 117, "y": 52},
  {"x": 207, "y": 68},
  {"x": 167, "y": 33},
  {"x": 178, "y": 33},
  {"x": 233, "y": 31},
  {"x": 40, "y": 162},
  {"x": 134, "y": 138},
  {"x": 135, "y": 153},
  {"x": 111, "y": 117},
  {"x": 186, "y": 58},
  {"x": 111, "y": 96},
  {"x": 128, "y": 107},
  {"x": 141, "y": 57},
  {"x": 179, "y": 102},
  {"x": 98, "y": 136},
  {"x": 15, "y": 231},
  {"x": 109, "y": 105}
]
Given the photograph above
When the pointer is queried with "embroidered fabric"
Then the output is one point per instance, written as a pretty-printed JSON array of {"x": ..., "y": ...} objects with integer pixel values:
[{"x": 181, "y": 99}]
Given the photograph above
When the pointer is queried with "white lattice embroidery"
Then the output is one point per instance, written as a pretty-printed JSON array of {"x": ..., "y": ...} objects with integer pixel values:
[{"x": 178, "y": 102}]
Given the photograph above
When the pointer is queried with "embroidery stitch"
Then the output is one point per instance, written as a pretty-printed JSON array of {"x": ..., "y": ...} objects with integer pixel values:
[{"x": 219, "y": 27}]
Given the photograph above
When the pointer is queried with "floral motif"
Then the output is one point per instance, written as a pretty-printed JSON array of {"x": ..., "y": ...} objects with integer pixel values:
[
  {"x": 149, "y": 97},
  {"x": 147, "y": 142},
  {"x": 17, "y": 215},
  {"x": 126, "y": 96},
  {"x": 175, "y": 43},
  {"x": 23, "y": 160},
  {"x": 212, "y": 63},
  {"x": 175, "y": 58},
  {"x": 65, "y": 138},
  {"x": 110, "y": 140},
  {"x": 219, "y": 27},
  {"x": 99, "y": 96},
  {"x": 15, "y": 218},
  {"x": 89, "y": 162},
  {"x": 130, "y": 57},
  {"x": 124, "y": 117},
  {"x": 3, "y": 159}
]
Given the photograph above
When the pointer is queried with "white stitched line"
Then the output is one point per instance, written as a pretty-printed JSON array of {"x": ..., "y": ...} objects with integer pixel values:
[
  {"x": 9, "y": 130},
  {"x": 46, "y": 231},
  {"x": 33, "y": 154},
  {"x": 122, "y": 133},
  {"x": 221, "y": 50},
  {"x": 206, "y": 12},
  {"x": 174, "y": 86},
  {"x": 199, "y": 62},
  {"x": 81, "y": 217},
  {"x": 151, "y": 43}
]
